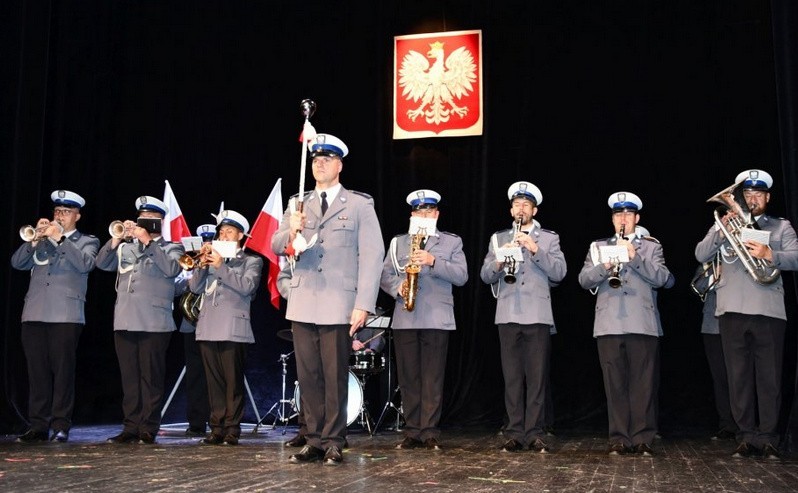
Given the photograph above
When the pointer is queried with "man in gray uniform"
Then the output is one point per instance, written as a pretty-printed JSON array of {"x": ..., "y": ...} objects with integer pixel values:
[
  {"x": 524, "y": 314},
  {"x": 421, "y": 336},
  {"x": 146, "y": 266},
  {"x": 752, "y": 316},
  {"x": 224, "y": 330},
  {"x": 60, "y": 259},
  {"x": 332, "y": 290},
  {"x": 626, "y": 325}
]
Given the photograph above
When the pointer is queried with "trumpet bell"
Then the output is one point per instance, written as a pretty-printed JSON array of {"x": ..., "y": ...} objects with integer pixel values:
[
  {"x": 27, "y": 233},
  {"x": 117, "y": 230}
]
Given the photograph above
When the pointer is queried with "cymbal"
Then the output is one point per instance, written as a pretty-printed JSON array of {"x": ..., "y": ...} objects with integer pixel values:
[{"x": 286, "y": 335}]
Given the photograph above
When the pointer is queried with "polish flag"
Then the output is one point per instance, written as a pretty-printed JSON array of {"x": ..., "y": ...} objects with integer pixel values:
[
  {"x": 260, "y": 238},
  {"x": 177, "y": 227}
]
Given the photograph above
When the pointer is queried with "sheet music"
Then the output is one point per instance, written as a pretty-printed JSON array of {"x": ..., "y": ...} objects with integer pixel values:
[
  {"x": 617, "y": 252},
  {"x": 191, "y": 243},
  {"x": 227, "y": 249},
  {"x": 502, "y": 254},
  {"x": 426, "y": 223},
  {"x": 757, "y": 235}
]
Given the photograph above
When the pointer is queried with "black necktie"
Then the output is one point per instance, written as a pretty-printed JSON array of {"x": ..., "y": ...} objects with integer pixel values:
[{"x": 323, "y": 203}]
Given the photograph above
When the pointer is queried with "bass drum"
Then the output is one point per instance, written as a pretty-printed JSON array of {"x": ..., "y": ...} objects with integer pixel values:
[{"x": 354, "y": 403}]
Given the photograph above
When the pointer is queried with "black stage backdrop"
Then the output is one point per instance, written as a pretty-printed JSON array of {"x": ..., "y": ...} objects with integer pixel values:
[{"x": 667, "y": 99}]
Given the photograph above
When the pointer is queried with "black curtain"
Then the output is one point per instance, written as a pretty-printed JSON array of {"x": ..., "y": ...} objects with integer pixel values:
[{"x": 667, "y": 99}]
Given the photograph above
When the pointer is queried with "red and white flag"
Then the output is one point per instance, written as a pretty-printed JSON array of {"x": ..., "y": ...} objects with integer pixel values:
[
  {"x": 176, "y": 225},
  {"x": 260, "y": 238}
]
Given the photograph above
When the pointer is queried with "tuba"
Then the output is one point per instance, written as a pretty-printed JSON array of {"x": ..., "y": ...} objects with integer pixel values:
[
  {"x": 411, "y": 273},
  {"x": 731, "y": 199},
  {"x": 190, "y": 306}
]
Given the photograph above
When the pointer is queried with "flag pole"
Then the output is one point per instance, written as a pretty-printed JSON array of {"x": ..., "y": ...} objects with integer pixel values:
[{"x": 308, "y": 108}]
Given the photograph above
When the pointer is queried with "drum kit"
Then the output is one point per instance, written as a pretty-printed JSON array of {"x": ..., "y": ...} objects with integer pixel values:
[{"x": 362, "y": 366}]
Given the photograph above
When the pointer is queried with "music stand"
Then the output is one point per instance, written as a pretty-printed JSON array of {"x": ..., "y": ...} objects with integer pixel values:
[{"x": 391, "y": 395}]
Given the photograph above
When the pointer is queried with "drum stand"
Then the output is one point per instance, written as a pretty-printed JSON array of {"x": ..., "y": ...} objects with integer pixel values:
[
  {"x": 278, "y": 409},
  {"x": 364, "y": 417},
  {"x": 400, "y": 417}
]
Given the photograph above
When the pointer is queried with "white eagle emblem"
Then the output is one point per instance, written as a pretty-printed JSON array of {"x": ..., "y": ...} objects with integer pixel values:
[{"x": 437, "y": 87}]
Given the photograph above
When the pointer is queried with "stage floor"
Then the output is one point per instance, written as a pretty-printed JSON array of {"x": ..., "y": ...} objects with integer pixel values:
[{"x": 470, "y": 462}]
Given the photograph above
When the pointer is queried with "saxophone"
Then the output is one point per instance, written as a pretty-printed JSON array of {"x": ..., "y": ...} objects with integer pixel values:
[{"x": 410, "y": 287}]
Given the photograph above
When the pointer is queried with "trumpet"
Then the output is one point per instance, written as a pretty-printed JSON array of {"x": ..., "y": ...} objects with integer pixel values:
[
  {"x": 509, "y": 261},
  {"x": 30, "y": 233},
  {"x": 194, "y": 260},
  {"x": 117, "y": 230},
  {"x": 614, "y": 280}
]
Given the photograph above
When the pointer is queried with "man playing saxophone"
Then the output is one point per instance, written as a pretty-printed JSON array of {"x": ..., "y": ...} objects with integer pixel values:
[
  {"x": 422, "y": 334},
  {"x": 751, "y": 312},
  {"x": 59, "y": 259},
  {"x": 524, "y": 314}
]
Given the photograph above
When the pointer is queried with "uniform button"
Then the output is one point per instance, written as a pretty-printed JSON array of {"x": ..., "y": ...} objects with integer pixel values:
[
  {"x": 321, "y": 255},
  {"x": 321, "y": 227},
  {"x": 132, "y": 291},
  {"x": 48, "y": 284},
  {"x": 321, "y": 241},
  {"x": 319, "y": 269}
]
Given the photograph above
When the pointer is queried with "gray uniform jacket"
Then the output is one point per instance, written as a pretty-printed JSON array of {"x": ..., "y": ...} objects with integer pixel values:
[
  {"x": 341, "y": 271},
  {"x": 434, "y": 306},
  {"x": 528, "y": 300},
  {"x": 227, "y": 292},
  {"x": 145, "y": 283},
  {"x": 737, "y": 291},
  {"x": 58, "y": 277},
  {"x": 631, "y": 308}
]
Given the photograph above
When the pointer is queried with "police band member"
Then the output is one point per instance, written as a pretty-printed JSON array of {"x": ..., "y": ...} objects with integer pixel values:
[
  {"x": 197, "y": 407},
  {"x": 59, "y": 258},
  {"x": 227, "y": 285},
  {"x": 524, "y": 314},
  {"x": 146, "y": 266},
  {"x": 421, "y": 336},
  {"x": 332, "y": 291},
  {"x": 626, "y": 325},
  {"x": 752, "y": 316}
]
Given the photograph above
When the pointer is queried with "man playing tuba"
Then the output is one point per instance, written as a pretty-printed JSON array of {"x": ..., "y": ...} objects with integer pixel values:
[{"x": 751, "y": 313}]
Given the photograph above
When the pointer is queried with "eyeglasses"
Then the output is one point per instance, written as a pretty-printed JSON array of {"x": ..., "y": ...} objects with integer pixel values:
[{"x": 63, "y": 212}]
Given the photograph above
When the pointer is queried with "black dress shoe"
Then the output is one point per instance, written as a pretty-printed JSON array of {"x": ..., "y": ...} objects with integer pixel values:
[
  {"x": 195, "y": 431},
  {"x": 333, "y": 457},
  {"x": 409, "y": 443},
  {"x": 618, "y": 449},
  {"x": 723, "y": 435},
  {"x": 31, "y": 436},
  {"x": 146, "y": 438},
  {"x": 432, "y": 444},
  {"x": 309, "y": 453},
  {"x": 297, "y": 441},
  {"x": 212, "y": 439},
  {"x": 770, "y": 452},
  {"x": 644, "y": 449},
  {"x": 512, "y": 445},
  {"x": 539, "y": 446},
  {"x": 124, "y": 437},
  {"x": 230, "y": 439},
  {"x": 60, "y": 436},
  {"x": 744, "y": 450}
]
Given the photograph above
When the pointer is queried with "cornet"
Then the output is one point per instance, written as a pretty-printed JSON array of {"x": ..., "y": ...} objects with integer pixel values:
[
  {"x": 29, "y": 233},
  {"x": 509, "y": 261},
  {"x": 615, "y": 280},
  {"x": 117, "y": 230},
  {"x": 193, "y": 260}
]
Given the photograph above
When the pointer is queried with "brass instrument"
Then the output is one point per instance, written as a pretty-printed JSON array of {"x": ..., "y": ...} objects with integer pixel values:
[
  {"x": 615, "y": 280},
  {"x": 190, "y": 306},
  {"x": 731, "y": 199},
  {"x": 509, "y": 277},
  {"x": 117, "y": 230},
  {"x": 410, "y": 287},
  {"x": 30, "y": 233},
  {"x": 193, "y": 260}
]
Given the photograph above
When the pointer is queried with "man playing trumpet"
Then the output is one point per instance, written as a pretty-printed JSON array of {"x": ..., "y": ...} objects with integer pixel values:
[
  {"x": 60, "y": 259},
  {"x": 143, "y": 324},
  {"x": 524, "y": 315}
]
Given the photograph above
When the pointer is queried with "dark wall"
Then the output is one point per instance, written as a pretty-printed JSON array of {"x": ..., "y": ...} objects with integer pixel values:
[{"x": 667, "y": 99}]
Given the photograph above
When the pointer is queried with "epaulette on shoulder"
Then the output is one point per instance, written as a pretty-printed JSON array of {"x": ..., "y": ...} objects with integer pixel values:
[
  {"x": 548, "y": 231},
  {"x": 88, "y": 235},
  {"x": 651, "y": 238},
  {"x": 308, "y": 192},
  {"x": 448, "y": 233},
  {"x": 362, "y": 194}
]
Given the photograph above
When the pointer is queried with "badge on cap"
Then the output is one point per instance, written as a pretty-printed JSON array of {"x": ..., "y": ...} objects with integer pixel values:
[
  {"x": 624, "y": 201},
  {"x": 233, "y": 218},
  {"x": 755, "y": 179},
  {"x": 525, "y": 190},
  {"x": 149, "y": 203},
  {"x": 423, "y": 199},
  {"x": 328, "y": 145}
]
